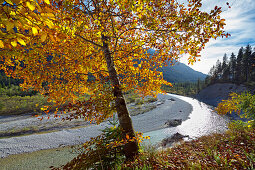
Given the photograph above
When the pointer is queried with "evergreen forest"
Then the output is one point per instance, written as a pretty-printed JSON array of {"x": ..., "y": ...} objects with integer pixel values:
[{"x": 237, "y": 68}]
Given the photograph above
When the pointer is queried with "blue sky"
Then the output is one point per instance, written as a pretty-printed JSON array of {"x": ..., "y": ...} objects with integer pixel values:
[{"x": 240, "y": 23}]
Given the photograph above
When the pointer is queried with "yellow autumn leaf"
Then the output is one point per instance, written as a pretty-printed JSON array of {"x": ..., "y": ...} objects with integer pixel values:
[
  {"x": 21, "y": 41},
  {"x": 1, "y": 44},
  {"x": 12, "y": 13},
  {"x": 34, "y": 31},
  {"x": 222, "y": 21},
  {"x": 47, "y": 2},
  {"x": 50, "y": 15},
  {"x": 30, "y": 6},
  {"x": 9, "y": 2},
  {"x": 43, "y": 37},
  {"x": 14, "y": 43},
  {"x": 49, "y": 23},
  {"x": 9, "y": 26}
]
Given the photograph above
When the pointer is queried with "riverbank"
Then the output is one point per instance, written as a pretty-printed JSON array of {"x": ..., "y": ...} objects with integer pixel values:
[
  {"x": 215, "y": 93},
  {"x": 234, "y": 149},
  {"x": 172, "y": 107}
]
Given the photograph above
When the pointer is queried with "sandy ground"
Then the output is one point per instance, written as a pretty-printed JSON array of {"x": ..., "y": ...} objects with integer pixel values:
[{"x": 169, "y": 108}]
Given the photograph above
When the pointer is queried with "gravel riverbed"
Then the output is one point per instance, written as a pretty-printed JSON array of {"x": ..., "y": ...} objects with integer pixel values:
[{"x": 168, "y": 107}]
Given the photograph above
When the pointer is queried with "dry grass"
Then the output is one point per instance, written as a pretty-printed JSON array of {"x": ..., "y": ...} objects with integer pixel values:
[{"x": 232, "y": 150}]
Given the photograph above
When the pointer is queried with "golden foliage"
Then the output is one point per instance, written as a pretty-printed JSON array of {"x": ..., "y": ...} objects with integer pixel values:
[{"x": 56, "y": 46}]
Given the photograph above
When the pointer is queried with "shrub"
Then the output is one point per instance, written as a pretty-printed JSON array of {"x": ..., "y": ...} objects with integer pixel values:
[
  {"x": 151, "y": 99},
  {"x": 20, "y": 105},
  {"x": 139, "y": 101},
  {"x": 244, "y": 102}
]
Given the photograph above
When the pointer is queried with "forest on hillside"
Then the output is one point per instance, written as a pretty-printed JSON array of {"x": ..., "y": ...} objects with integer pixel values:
[{"x": 237, "y": 69}]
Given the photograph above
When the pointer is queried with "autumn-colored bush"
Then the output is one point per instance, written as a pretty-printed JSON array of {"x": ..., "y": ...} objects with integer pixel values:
[{"x": 238, "y": 103}]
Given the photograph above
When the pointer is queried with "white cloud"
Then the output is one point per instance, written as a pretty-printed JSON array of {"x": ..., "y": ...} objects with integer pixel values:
[{"x": 240, "y": 23}]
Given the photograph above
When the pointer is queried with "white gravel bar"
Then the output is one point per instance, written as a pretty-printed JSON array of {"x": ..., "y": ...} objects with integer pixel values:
[{"x": 170, "y": 108}]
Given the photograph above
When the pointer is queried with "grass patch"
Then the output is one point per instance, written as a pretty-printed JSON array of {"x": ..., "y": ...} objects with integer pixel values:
[
  {"x": 139, "y": 101},
  {"x": 151, "y": 100},
  {"x": 131, "y": 97},
  {"x": 250, "y": 85},
  {"x": 16, "y": 105},
  {"x": 42, "y": 159}
]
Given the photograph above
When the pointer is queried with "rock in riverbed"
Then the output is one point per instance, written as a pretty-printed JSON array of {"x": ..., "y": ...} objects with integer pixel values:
[
  {"x": 174, "y": 138},
  {"x": 173, "y": 122}
]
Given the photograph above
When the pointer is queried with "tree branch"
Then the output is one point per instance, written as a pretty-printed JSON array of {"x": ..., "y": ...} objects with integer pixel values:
[{"x": 89, "y": 41}]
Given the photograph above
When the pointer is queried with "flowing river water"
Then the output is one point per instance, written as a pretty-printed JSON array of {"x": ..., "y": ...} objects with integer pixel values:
[{"x": 202, "y": 121}]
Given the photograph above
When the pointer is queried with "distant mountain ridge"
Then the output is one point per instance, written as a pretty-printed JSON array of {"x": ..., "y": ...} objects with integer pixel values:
[{"x": 180, "y": 72}]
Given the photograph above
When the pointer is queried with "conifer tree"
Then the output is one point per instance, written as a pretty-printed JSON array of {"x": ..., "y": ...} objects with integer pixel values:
[
  {"x": 232, "y": 67},
  {"x": 218, "y": 70},
  {"x": 198, "y": 85},
  {"x": 225, "y": 68},
  {"x": 253, "y": 65},
  {"x": 239, "y": 65},
  {"x": 246, "y": 62}
]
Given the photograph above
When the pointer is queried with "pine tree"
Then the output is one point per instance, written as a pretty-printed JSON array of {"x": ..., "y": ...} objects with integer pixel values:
[
  {"x": 198, "y": 85},
  {"x": 239, "y": 65},
  {"x": 218, "y": 71},
  {"x": 225, "y": 68},
  {"x": 253, "y": 65},
  {"x": 232, "y": 67},
  {"x": 246, "y": 62}
]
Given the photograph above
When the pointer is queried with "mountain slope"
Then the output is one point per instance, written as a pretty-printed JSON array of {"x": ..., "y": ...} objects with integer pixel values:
[{"x": 181, "y": 73}]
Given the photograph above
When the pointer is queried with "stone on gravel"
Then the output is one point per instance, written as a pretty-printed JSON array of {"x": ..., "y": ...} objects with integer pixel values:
[
  {"x": 174, "y": 138},
  {"x": 173, "y": 122}
]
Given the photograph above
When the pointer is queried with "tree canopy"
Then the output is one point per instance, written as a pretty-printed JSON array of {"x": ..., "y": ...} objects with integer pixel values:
[
  {"x": 67, "y": 48},
  {"x": 64, "y": 60}
]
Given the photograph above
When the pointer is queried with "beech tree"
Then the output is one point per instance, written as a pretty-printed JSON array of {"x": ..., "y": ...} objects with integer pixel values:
[{"x": 65, "y": 49}]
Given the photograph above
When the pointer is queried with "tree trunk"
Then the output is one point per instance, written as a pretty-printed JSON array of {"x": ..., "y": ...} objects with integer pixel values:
[{"x": 131, "y": 148}]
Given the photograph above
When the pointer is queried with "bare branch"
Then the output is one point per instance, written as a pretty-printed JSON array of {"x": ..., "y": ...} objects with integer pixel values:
[{"x": 89, "y": 41}]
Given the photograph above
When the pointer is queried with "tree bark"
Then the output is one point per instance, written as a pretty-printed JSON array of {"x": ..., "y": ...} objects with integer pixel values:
[{"x": 131, "y": 148}]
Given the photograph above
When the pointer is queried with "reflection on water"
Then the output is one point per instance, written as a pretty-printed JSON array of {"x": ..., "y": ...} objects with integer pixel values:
[{"x": 203, "y": 121}]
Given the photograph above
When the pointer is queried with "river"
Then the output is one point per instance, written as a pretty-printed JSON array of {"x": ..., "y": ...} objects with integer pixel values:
[
  {"x": 202, "y": 121},
  {"x": 198, "y": 120}
]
